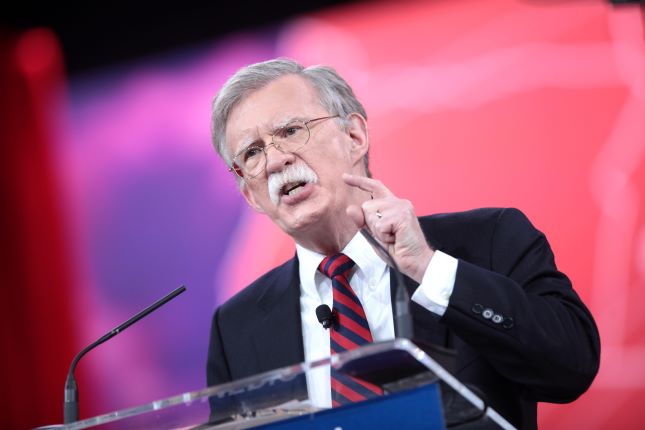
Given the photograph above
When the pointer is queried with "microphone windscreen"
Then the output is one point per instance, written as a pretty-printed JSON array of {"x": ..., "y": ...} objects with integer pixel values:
[{"x": 323, "y": 313}]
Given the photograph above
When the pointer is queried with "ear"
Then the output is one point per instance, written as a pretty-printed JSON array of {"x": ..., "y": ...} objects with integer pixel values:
[
  {"x": 250, "y": 198},
  {"x": 357, "y": 132}
]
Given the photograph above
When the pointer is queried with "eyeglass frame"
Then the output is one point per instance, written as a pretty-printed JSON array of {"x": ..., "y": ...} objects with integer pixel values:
[{"x": 238, "y": 170}]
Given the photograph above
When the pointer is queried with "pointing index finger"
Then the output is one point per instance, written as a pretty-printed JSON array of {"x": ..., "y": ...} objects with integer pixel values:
[{"x": 372, "y": 186}]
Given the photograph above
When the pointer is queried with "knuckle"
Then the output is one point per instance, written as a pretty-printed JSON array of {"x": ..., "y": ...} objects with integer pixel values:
[
  {"x": 409, "y": 207},
  {"x": 365, "y": 206}
]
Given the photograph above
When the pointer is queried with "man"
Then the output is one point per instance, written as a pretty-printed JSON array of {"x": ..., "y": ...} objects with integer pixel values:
[{"x": 483, "y": 282}]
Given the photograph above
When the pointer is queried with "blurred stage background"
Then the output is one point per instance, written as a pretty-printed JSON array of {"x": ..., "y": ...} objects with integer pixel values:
[{"x": 112, "y": 195}]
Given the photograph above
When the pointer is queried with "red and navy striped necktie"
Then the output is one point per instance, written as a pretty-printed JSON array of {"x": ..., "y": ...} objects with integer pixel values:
[{"x": 350, "y": 331}]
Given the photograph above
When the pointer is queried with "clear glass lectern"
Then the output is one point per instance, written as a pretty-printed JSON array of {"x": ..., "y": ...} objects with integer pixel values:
[{"x": 419, "y": 393}]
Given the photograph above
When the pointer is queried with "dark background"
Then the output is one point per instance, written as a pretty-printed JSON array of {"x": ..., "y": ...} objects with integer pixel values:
[{"x": 96, "y": 35}]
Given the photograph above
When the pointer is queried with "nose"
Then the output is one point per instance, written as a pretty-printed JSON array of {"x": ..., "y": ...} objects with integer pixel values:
[{"x": 277, "y": 158}]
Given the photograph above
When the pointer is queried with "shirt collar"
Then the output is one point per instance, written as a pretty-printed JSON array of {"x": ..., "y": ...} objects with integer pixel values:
[
  {"x": 358, "y": 249},
  {"x": 366, "y": 259},
  {"x": 308, "y": 262}
]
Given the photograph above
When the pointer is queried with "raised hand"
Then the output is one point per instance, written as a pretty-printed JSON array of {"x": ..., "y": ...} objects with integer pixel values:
[{"x": 392, "y": 222}]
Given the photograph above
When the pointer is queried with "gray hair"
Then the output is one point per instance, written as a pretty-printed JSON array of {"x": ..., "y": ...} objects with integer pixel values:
[{"x": 336, "y": 96}]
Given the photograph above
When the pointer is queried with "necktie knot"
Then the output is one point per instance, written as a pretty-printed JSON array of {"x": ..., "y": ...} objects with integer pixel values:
[{"x": 336, "y": 265}]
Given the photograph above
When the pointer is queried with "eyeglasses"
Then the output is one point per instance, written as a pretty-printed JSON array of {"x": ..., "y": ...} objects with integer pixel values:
[{"x": 251, "y": 161}]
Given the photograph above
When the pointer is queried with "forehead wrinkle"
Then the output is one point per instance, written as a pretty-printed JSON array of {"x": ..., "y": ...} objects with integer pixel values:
[{"x": 268, "y": 127}]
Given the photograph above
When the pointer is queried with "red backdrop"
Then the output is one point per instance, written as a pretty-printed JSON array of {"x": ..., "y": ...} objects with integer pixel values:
[{"x": 35, "y": 269}]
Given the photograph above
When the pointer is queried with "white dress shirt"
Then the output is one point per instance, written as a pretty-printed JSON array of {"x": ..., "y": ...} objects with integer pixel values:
[{"x": 370, "y": 280}]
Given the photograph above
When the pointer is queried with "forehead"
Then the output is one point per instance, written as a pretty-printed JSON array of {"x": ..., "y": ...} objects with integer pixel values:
[{"x": 287, "y": 97}]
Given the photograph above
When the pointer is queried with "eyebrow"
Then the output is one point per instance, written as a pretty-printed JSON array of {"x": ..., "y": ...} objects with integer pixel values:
[
  {"x": 274, "y": 129},
  {"x": 285, "y": 122}
]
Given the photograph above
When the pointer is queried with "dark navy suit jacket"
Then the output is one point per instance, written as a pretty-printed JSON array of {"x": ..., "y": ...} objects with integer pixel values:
[{"x": 521, "y": 333}]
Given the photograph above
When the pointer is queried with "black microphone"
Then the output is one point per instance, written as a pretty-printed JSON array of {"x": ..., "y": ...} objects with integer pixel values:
[
  {"x": 70, "y": 406},
  {"x": 325, "y": 316},
  {"x": 402, "y": 316}
]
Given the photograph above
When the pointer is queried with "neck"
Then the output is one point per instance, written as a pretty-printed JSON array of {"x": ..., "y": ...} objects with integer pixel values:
[
  {"x": 331, "y": 233},
  {"x": 334, "y": 229},
  {"x": 327, "y": 239}
]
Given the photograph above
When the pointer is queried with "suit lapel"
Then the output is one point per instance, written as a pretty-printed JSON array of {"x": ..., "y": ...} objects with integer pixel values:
[{"x": 278, "y": 336}]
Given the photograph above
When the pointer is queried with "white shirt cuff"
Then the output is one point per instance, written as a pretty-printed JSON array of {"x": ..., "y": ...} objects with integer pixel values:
[{"x": 437, "y": 284}]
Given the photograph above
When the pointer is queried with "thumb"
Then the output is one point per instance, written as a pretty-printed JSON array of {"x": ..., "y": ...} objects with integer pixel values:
[{"x": 356, "y": 214}]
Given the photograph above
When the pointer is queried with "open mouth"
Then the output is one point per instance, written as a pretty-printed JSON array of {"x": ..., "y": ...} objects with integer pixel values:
[
  {"x": 292, "y": 185},
  {"x": 292, "y": 188}
]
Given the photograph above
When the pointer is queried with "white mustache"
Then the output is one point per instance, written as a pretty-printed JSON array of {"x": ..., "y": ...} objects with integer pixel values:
[{"x": 290, "y": 174}]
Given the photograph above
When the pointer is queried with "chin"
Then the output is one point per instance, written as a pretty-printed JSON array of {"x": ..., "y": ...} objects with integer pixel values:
[{"x": 300, "y": 220}]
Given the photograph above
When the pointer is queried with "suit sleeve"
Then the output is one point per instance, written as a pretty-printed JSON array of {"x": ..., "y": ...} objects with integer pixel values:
[{"x": 523, "y": 315}]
